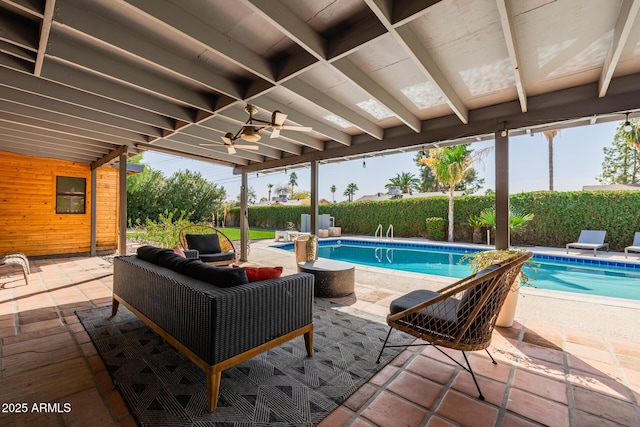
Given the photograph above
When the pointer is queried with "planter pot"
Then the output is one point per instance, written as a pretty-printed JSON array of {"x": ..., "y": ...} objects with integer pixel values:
[
  {"x": 477, "y": 235},
  {"x": 508, "y": 310}
]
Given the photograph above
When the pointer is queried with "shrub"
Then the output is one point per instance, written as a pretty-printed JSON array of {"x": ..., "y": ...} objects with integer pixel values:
[
  {"x": 435, "y": 228},
  {"x": 165, "y": 231}
]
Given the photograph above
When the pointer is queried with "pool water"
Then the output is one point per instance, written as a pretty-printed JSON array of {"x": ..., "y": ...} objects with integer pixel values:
[{"x": 592, "y": 277}]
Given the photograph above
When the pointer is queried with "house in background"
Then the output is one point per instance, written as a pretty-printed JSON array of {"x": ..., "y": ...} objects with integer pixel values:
[
  {"x": 46, "y": 206},
  {"x": 611, "y": 187}
]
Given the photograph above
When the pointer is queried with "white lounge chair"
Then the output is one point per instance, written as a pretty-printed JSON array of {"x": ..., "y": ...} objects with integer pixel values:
[
  {"x": 635, "y": 247},
  {"x": 590, "y": 239}
]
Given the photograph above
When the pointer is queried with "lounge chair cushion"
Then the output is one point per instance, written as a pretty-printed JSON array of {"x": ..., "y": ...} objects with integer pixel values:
[
  {"x": 222, "y": 256},
  {"x": 438, "y": 317},
  {"x": 471, "y": 297},
  {"x": 204, "y": 243}
]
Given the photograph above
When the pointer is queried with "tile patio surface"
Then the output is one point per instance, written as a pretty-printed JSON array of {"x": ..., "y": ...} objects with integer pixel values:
[{"x": 548, "y": 372}]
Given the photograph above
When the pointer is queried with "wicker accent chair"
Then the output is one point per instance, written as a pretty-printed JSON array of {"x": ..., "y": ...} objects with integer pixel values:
[
  {"x": 17, "y": 258},
  {"x": 210, "y": 244},
  {"x": 460, "y": 316}
]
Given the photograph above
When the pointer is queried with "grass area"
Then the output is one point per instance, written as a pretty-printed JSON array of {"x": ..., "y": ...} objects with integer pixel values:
[{"x": 234, "y": 233}]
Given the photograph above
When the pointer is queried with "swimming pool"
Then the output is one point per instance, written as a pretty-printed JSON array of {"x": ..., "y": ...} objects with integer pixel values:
[{"x": 578, "y": 275}]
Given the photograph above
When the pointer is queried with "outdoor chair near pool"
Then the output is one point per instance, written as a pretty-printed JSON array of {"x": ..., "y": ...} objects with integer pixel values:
[
  {"x": 590, "y": 239},
  {"x": 460, "y": 316},
  {"x": 208, "y": 244},
  {"x": 635, "y": 247}
]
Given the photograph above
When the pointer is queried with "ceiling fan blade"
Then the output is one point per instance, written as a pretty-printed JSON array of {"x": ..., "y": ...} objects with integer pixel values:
[
  {"x": 247, "y": 147},
  {"x": 278, "y": 118},
  {"x": 275, "y": 133},
  {"x": 230, "y": 149},
  {"x": 227, "y": 141},
  {"x": 209, "y": 145},
  {"x": 298, "y": 128}
]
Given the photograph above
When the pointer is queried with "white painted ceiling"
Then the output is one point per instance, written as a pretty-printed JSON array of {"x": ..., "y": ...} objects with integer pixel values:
[{"x": 80, "y": 79}]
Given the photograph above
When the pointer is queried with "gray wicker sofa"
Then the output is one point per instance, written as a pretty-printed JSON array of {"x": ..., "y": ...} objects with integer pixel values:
[{"x": 216, "y": 327}]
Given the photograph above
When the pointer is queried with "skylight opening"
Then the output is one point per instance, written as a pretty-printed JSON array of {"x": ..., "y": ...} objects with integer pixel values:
[
  {"x": 338, "y": 121},
  {"x": 376, "y": 109},
  {"x": 423, "y": 95}
]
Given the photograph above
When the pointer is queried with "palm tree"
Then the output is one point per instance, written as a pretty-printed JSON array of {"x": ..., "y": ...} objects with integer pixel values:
[
  {"x": 550, "y": 134},
  {"x": 350, "y": 191},
  {"x": 333, "y": 193},
  {"x": 293, "y": 181},
  {"x": 281, "y": 189},
  {"x": 451, "y": 165},
  {"x": 269, "y": 186},
  {"x": 407, "y": 181}
]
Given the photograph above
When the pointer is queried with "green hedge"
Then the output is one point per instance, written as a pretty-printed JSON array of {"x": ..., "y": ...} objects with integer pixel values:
[{"x": 558, "y": 216}]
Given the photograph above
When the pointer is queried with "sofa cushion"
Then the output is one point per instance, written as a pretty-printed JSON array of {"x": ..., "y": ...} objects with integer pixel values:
[
  {"x": 169, "y": 259},
  {"x": 204, "y": 243},
  {"x": 223, "y": 277},
  {"x": 255, "y": 274},
  {"x": 149, "y": 253}
]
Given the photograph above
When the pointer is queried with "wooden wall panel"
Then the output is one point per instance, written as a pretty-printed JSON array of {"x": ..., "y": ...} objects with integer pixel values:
[{"x": 28, "y": 219}]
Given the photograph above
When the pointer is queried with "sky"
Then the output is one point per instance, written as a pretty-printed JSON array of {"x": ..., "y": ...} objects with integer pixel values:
[{"x": 577, "y": 161}]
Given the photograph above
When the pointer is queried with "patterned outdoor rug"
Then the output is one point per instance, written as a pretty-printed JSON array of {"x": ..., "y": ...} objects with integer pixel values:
[{"x": 280, "y": 387}]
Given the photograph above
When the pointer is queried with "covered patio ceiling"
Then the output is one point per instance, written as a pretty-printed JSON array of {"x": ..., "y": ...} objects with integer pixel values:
[{"x": 79, "y": 79}]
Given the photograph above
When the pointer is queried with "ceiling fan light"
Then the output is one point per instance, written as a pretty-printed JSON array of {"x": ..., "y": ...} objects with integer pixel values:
[{"x": 249, "y": 134}]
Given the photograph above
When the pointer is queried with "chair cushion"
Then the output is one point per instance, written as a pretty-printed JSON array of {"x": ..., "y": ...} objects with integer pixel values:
[
  {"x": 411, "y": 299},
  {"x": 222, "y": 256},
  {"x": 440, "y": 317},
  {"x": 255, "y": 274},
  {"x": 204, "y": 243},
  {"x": 223, "y": 277},
  {"x": 471, "y": 297}
]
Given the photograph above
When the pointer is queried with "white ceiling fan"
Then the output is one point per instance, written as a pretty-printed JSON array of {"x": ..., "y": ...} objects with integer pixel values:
[{"x": 250, "y": 131}]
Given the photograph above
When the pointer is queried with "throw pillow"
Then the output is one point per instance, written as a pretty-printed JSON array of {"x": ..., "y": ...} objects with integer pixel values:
[
  {"x": 256, "y": 274},
  {"x": 204, "y": 243},
  {"x": 223, "y": 277},
  {"x": 178, "y": 250}
]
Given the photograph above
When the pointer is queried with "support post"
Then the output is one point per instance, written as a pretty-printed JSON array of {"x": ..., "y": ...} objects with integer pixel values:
[
  {"x": 314, "y": 197},
  {"x": 122, "y": 204},
  {"x": 244, "y": 217},
  {"x": 94, "y": 221},
  {"x": 502, "y": 190}
]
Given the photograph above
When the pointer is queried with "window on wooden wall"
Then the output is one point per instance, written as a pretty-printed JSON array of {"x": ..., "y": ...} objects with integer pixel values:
[{"x": 70, "y": 195}]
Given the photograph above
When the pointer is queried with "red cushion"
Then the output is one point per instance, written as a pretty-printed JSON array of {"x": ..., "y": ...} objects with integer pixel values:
[
  {"x": 178, "y": 250},
  {"x": 255, "y": 274}
]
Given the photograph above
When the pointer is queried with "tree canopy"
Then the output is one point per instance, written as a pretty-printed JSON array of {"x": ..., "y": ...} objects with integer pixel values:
[
  {"x": 350, "y": 191},
  {"x": 621, "y": 163},
  {"x": 406, "y": 181},
  {"x": 150, "y": 194}
]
